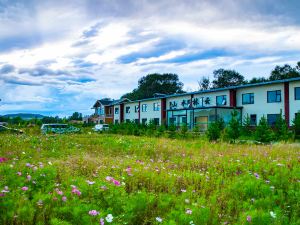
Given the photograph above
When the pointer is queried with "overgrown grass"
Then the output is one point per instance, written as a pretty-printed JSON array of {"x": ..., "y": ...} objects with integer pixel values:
[{"x": 142, "y": 180}]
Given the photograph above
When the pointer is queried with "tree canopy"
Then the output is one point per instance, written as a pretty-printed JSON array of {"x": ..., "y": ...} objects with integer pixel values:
[{"x": 151, "y": 84}]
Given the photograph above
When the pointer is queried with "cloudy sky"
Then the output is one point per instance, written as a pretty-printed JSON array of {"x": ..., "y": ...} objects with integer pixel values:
[{"x": 57, "y": 57}]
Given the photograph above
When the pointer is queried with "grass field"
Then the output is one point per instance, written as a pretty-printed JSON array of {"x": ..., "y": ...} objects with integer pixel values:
[{"x": 111, "y": 179}]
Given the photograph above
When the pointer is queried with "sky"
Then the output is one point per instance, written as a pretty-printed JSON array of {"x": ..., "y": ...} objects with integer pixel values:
[{"x": 57, "y": 57}]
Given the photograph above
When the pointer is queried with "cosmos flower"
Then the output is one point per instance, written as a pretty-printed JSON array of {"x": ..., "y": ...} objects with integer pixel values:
[
  {"x": 158, "y": 219},
  {"x": 109, "y": 218},
  {"x": 24, "y": 188},
  {"x": 93, "y": 212},
  {"x": 90, "y": 182},
  {"x": 28, "y": 177},
  {"x": 249, "y": 219},
  {"x": 101, "y": 221},
  {"x": 273, "y": 215},
  {"x": 189, "y": 211},
  {"x": 64, "y": 198}
]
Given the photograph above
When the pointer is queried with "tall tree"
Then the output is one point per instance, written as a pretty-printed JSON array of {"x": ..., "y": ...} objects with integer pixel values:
[
  {"x": 226, "y": 78},
  {"x": 204, "y": 83},
  {"x": 285, "y": 72},
  {"x": 255, "y": 80},
  {"x": 156, "y": 83},
  {"x": 76, "y": 116}
]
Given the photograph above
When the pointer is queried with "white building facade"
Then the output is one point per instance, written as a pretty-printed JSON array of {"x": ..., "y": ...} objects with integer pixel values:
[{"x": 198, "y": 109}]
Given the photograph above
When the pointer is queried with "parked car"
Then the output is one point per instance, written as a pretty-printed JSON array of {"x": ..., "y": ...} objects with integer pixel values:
[
  {"x": 101, "y": 127},
  {"x": 57, "y": 128}
]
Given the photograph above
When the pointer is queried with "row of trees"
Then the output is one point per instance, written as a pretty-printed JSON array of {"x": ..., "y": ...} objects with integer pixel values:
[
  {"x": 225, "y": 78},
  {"x": 262, "y": 133}
]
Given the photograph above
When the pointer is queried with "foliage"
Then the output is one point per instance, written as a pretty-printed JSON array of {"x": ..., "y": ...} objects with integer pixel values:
[
  {"x": 284, "y": 72},
  {"x": 281, "y": 129},
  {"x": 296, "y": 126},
  {"x": 225, "y": 78},
  {"x": 204, "y": 84},
  {"x": 214, "y": 130},
  {"x": 76, "y": 116},
  {"x": 246, "y": 129},
  {"x": 81, "y": 178},
  {"x": 156, "y": 83},
  {"x": 233, "y": 130},
  {"x": 263, "y": 132}
]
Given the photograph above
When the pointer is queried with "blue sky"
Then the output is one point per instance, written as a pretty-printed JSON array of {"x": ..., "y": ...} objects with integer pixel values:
[{"x": 57, "y": 57}]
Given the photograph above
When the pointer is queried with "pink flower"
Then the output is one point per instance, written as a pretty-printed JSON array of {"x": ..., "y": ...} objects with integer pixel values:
[
  {"x": 28, "y": 164},
  {"x": 2, "y": 159},
  {"x": 54, "y": 198},
  {"x": 19, "y": 173},
  {"x": 64, "y": 198},
  {"x": 76, "y": 191},
  {"x": 101, "y": 221},
  {"x": 24, "y": 188},
  {"x": 93, "y": 212},
  {"x": 188, "y": 211},
  {"x": 59, "y": 192},
  {"x": 249, "y": 219},
  {"x": 108, "y": 178},
  {"x": 28, "y": 177},
  {"x": 116, "y": 182}
]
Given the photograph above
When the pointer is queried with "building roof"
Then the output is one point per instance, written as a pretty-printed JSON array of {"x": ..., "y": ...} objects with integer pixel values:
[{"x": 160, "y": 96}]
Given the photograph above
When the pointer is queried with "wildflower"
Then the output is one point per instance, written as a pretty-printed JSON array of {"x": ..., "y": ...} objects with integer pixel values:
[
  {"x": 103, "y": 187},
  {"x": 59, "y": 192},
  {"x": 249, "y": 219},
  {"x": 116, "y": 182},
  {"x": 90, "y": 182},
  {"x": 183, "y": 190},
  {"x": 2, "y": 159},
  {"x": 76, "y": 191},
  {"x": 108, "y": 178},
  {"x": 192, "y": 222},
  {"x": 189, "y": 211},
  {"x": 28, "y": 177},
  {"x": 187, "y": 201},
  {"x": 101, "y": 221},
  {"x": 40, "y": 203},
  {"x": 24, "y": 188},
  {"x": 50, "y": 163},
  {"x": 93, "y": 212},
  {"x": 273, "y": 215},
  {"x": 28, "y": 164},
  {"x": 54, "y": 198},
  {"x": 64, "y": 198},
  {"x": 158, "y": 219},
  {"x": 267, "y": 181},
  {"x": 256, "y": 175},
  {"x": 19, "y": 173},
  {"x": 109, "y": 218}
]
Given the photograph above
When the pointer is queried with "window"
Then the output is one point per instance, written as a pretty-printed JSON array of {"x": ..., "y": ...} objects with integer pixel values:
[
  {"x": 172, "y": 120},
  {"x": 297, "y": 93},
  {"x": 156, "y": 106},
  {"x": 248, "y": 98},
  {"x": 221, "y": 100},
  {"x": 156, "y": 121},
  {"x": 127, "y": 109},
  {"x": 272, "y": 118},
  {"x": 144, "y": 108},
  {"x": 144, "y": 121},
  {"x": 116, "y": 121},
  {"x": 183, "y": 120},
  {"x": 136, "y": 108},
  {"x": 253, "y": 120},
  {"x": 116, "y": 110},
  {"x": 137, "y": 121},
  {"x": 274, "y": 96}
]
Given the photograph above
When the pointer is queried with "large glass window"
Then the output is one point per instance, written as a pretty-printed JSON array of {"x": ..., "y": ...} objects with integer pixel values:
[
  {"x": 248, "y": 98},
  {"x": 156, "y": 106},
  {"x": 127, "y": 109},
  {"x": 144, "y": 108},
  {"x": 297, "y": 93},
  {"x": 272, "y": 118},
  {"x": 274, "y": 96},
  {"x": 221, "y": 100}
]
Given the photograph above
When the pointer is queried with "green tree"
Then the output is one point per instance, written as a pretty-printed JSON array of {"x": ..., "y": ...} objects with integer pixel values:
[
  {"x": 214, "y": 130},
  {"x": 225, "y": 78},
  {"x": 156, "y": 83},
  {"x": 246, "y": 128},
  {"x": 263, "y": 132},
  {"x": 204, "y": 83},
  {"x": 296, "y": 126},
  {"x": 76, "y": 116},
  {"x": 233, "y": 130},
  {"x": 281, "y": 128},
  {"x": 255, "y": 80},
  {"x": 284, "y": 72}
]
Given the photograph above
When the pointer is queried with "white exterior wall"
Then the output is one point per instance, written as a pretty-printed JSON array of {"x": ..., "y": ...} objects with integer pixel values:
[
  {"x": 132, "y": 115},
  {"x": 117, "y": 116},
  {"x": 213, "y": 97},
  {"x": 294, "y": 104},
  {"x": 150, "y": 114},
  {"x": 261, "y": 106}
]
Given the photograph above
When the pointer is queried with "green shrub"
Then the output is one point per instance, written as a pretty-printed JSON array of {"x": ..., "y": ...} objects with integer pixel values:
[
  {"x": 214, "y": 130},
  {"x": 172, "y": 131},
  {"x": 281, "y": 129},
  {"x": 263, "y": 132},
  {"x": 296, "y": 126},
  {"x": 233, "y": 130},
  {"x": 246, "y": 128}
]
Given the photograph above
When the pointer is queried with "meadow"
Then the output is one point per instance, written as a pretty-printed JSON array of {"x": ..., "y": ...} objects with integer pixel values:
[{"x": 112, "y": 179}]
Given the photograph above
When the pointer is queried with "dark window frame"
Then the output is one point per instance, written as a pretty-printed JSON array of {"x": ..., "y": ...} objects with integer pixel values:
[
  {"x": 276, "y": 95},
  {"x": 156, "y": 121},
  {"x": 116, "y": 110},
  {"x": 251, "y": 121},
  {"x": 295, "y": 93},
  {"x": 251, "y": 98},
  {"x": 144, "y": 107},
  {"x": 156, "y": 106},
  {"x": 272, "y": 114},
  {"x": 144, "y": 121},
  {"x": 127, "y": 109},
  {"x": 223, "y": 97}
]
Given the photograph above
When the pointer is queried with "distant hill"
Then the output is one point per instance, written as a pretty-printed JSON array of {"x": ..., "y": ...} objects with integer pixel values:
[{"x": 25, "y": 116}]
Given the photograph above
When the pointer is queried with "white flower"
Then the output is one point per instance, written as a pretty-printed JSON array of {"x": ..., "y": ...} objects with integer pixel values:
[
  {"x": 50, "y": 163},
  {"x": 90, "y": 182},
  {"x": 158, "y": 219},
  {"x": 109, "y": 218},
  {"x": 273, "y": 215}
]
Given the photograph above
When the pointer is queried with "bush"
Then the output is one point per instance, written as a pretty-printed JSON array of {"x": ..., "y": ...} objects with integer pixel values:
[
  {"x": 172, "y": 131},
  {"x": 214, "y": 130},
  {"x": 184, "y": 130},
  {"x": 263, "y": 132},
  {"x": 233, "y": 130},
  {"x": 246, "y": 128},
  {"x": 281, "y": 129},
  {"x": 296, "y": 126}
]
